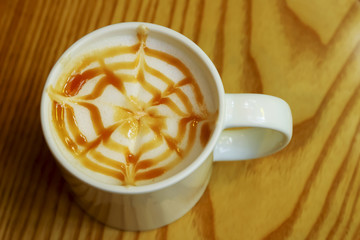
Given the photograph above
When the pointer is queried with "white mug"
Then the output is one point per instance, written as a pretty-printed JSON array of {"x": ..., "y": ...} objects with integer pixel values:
[{"x": 262, "y": 125}]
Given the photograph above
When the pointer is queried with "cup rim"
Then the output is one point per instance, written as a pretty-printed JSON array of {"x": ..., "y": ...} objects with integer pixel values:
[{"x": 60, "y": 158}]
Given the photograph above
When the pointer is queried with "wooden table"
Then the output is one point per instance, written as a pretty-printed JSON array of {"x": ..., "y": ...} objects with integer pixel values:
[{"x": 304, "y": 52}]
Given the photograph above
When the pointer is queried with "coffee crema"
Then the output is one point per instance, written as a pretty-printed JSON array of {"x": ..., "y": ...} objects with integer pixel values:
[{"x": 148, "y": 129}]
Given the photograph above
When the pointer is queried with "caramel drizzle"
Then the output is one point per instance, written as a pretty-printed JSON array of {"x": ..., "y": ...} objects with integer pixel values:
[{"x": 130, "y": 124}]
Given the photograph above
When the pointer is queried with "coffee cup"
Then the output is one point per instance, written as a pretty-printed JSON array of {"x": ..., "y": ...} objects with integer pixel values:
[{"x": 173, "y": 80}]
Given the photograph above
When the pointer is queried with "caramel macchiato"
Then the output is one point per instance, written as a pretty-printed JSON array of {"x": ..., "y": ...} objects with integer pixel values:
[{"x": 131, "y": 113}]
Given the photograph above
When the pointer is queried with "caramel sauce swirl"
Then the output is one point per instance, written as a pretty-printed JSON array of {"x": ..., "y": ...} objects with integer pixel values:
[{"x": 133, "y": 119}]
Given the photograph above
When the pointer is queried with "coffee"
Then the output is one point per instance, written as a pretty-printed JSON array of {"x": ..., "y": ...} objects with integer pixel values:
[{"x": 131, "y": 113}]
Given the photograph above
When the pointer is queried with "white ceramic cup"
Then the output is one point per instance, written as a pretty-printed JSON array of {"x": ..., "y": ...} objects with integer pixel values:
[{"x": 262, "y": 125}]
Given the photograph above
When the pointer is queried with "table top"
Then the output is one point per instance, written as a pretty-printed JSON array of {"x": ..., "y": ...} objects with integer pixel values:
[{"x": 304, "y": 52}]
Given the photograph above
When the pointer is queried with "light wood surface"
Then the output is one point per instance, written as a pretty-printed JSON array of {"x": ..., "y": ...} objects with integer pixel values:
[{"x": 306, "y": 52}]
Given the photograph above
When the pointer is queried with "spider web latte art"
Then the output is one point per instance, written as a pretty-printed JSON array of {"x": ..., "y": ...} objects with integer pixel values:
[{"x": 150, "y": 124}]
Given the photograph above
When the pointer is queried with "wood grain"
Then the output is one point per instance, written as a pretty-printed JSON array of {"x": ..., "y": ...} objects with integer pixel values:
[{"x": 305, "y": 52}]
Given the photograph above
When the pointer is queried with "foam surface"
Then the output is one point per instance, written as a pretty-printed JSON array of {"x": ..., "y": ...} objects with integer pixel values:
[{"x": 142, "y": 110}]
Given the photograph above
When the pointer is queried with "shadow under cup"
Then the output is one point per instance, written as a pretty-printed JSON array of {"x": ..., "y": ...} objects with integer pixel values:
[{"x": 176, "y": 191}]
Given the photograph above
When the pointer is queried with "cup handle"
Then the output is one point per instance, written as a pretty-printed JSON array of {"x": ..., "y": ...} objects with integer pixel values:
[{"x": 256, "y": 125}]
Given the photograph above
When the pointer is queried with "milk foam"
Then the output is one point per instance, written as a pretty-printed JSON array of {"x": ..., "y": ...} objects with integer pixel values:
[{"x": 111, "y": 104}]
